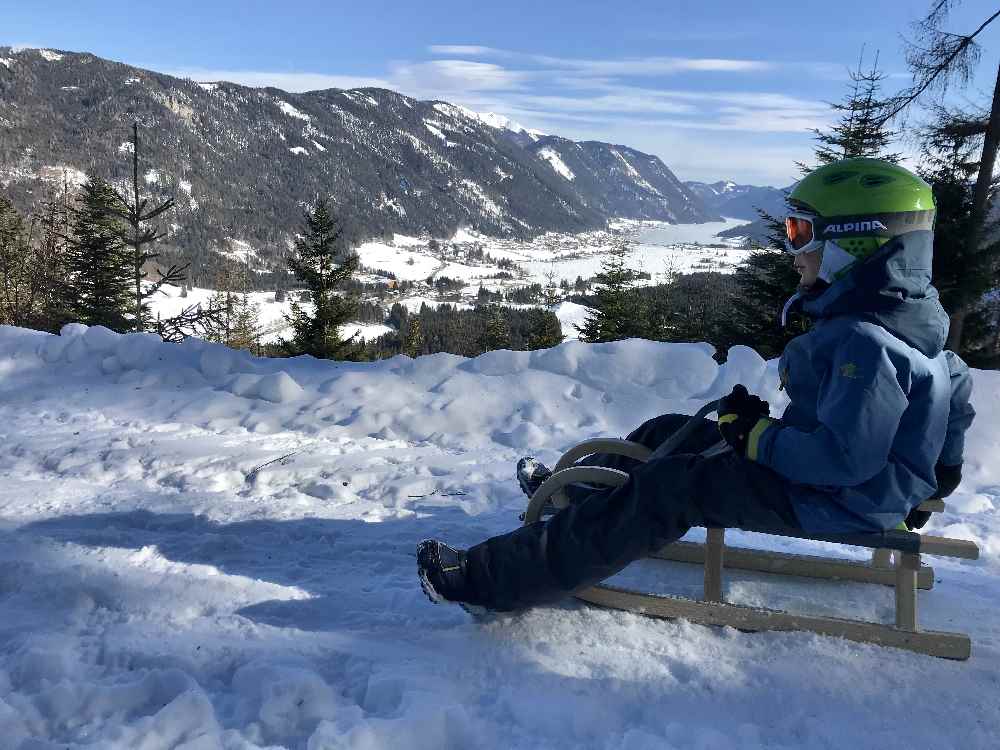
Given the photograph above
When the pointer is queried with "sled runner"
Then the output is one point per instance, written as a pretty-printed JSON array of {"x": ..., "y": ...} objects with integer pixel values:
[{"x": 905, "y": 574}]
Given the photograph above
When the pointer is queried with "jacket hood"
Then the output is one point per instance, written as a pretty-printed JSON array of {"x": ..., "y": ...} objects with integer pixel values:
[{"x": 893, "y": 289}]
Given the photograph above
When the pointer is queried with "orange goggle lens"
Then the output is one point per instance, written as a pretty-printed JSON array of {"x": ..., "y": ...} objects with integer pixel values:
[{"x": 799, "y": 231}]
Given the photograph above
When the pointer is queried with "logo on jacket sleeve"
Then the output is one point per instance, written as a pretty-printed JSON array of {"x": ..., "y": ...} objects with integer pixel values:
[{"x": 850, "y": 370}]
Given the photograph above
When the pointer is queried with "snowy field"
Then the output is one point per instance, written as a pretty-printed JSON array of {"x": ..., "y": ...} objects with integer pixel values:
[
  {"x": 206, "y": 551},
  {"x": 658, "y": 248}
]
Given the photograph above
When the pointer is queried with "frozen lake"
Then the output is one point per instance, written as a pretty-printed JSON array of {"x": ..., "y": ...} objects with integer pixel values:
[{"x": 673, "y": 234}]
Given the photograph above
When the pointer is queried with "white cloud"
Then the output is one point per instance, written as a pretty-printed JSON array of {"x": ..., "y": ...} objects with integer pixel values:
[
  {"x": 630, "y": 66},
  {"x": 462, "y": 49},
  {"x": 440, "y": 77}
]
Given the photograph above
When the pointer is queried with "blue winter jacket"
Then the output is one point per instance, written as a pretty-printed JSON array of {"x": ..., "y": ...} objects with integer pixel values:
[{"x": 875, "y": 402}]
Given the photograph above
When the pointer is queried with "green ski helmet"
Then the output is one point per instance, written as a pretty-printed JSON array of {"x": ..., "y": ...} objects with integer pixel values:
[{"x": 860, "y": 204}]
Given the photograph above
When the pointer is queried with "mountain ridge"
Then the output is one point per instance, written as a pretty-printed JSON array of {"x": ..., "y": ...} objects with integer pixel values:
[{"x": 243, "y": 162}]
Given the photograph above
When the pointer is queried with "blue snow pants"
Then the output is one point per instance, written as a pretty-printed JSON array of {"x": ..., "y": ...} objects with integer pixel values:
[{"x": 603, "y": 530}]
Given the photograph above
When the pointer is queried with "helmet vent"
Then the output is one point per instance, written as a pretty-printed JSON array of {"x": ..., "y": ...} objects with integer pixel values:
[
  {"x": 874, "y": 180},
  {"x": 838, "y": 177}
]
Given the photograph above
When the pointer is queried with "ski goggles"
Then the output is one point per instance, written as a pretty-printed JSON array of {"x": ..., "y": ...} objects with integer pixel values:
[
  {"x": 807, "y": 232},
  {"x": 801, "y": 234}
]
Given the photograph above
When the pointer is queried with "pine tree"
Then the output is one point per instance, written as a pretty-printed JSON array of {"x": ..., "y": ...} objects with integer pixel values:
[
  {"x": 497, "y": 333},
  {"x": 962, "y": 277},
  {"x": 861, "y": 130},
  {"x": 137, "y": 233},
  {"x": 238, "y": 325},
  {"x": 17, "y": 268},
  {"x": 98, "y": 289},
  {"x": 939, "y": 59},
  {"x": 618, "y": 312},
  {"x": 413, "y": 344},
  {"x": 323, "y": 263},
  {"x": 546, "y": 330}
]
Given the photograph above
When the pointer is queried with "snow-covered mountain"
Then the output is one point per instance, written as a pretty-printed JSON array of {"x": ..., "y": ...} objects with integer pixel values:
[
  {"x": 617, "y": 179},
  {"x": 202, "y": 550},
  {"x": 243, "y": 162},
  {"x": 739, "y": 201}
]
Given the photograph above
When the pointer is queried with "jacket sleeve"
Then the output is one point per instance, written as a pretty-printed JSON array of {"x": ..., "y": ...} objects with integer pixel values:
[
  {"x": 961, "y": 414},
  {"x": 859, "y": 406}
]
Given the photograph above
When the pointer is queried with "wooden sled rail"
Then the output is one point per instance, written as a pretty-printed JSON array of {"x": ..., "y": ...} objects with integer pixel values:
[{"x": 905, "y": 576}]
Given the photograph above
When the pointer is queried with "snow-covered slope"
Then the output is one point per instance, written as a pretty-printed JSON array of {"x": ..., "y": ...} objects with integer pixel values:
[{"x": 203, "y": 550}]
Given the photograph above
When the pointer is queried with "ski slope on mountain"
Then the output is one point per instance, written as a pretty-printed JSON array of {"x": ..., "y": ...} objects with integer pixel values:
[{"x": 203, "y": 550}]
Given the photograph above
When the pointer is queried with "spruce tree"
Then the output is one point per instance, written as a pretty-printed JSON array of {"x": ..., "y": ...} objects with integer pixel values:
[
  {"x": 238, "y": 325},
  {"x": 98, "y": 289},
  {"x": 950, "y": 147},
  {"x": 861, "y": 129},
  {"x": 618, "y": 311},
  {"x": 497, "y": 333},
  {"x": 16, "y": 267},
  {"x": 939, "y": 59},
  {"x": 52, "y": 254},
  {"x": 546, "y": 330},
  {"x": 138, "y": 233},
  {"x": 323, "y": 263},
  {"x": 413, "y": 344}
]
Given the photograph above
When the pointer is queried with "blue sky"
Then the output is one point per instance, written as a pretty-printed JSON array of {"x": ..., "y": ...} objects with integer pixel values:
[{"x": 719, "y": 90}]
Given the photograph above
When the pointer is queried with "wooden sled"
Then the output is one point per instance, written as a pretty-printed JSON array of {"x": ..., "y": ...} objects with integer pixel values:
[{"x": 906, "y": 575}]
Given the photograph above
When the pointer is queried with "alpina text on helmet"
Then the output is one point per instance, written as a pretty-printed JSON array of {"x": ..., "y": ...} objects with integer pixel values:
[{"x": 857, "y": 226}]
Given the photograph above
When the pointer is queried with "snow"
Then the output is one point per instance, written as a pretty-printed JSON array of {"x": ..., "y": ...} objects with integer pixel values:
[
  {"x": 202, "y": 549},
  {"x": 208, "y": 86},
  {"x": 239, "y": 250},
  {"x": 185, "y": 186},
  {"x": 358, "y": 98},
  {"x": 434, "y": 127},
  {"x": 152, "y": 177},
  {"x": 7, "y": 62},
  {"x": 299, "y": 150},
  {"x": 62, "y": 174},
  {"x": 405, "y": 264},
  {"x": 556, "y": 162},
  {"x": 570, "y": 316},
  {"x": 367, "y": 331},
  {"x": 289, "y": 110},
  {"x": 494, "y": 120},
  {"x": 50, "y": 55},
  {"x": 403, "y": 240},
  {"x": 271, "y": 315},
  {"x": 317, "y": 146},
  {"x": 126, "y": 148}
]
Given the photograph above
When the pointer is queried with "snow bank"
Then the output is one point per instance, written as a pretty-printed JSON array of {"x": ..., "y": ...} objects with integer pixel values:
[{"x": 203, "y": 549}]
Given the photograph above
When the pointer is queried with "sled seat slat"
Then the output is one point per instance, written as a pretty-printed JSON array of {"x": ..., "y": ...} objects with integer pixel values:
[{"x": 900, "y": 541}]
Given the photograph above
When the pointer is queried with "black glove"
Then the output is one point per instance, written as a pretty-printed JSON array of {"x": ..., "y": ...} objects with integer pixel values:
[
  {"x": 948, "y": 478},
  {"x": 739, "y": 412}
]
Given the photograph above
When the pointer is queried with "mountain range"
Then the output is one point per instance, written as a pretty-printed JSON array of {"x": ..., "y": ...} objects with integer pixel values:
[
  {"x": 739, "y": 201},
  {"x": 244, "y": 162}
]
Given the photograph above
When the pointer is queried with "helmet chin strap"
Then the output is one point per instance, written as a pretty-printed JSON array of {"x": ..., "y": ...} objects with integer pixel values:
[{"x": 835, "y": 261}]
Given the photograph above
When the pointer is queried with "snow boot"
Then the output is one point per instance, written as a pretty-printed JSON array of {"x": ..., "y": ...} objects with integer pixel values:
[
  {"x": 531, "y": 474},
  {"x": 443, "y": 573}
]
